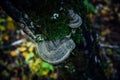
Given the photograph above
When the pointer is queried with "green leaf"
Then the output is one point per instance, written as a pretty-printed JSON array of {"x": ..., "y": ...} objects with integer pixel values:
[
  {"x": 2, "y": 28},
  {"x": 47, "y": 66},
  {"x": 90, "y": 7},
  {"x": 29, "y": 56},
  {"x": 51, "y": 68},
  {"x": 2, "y": 20}
]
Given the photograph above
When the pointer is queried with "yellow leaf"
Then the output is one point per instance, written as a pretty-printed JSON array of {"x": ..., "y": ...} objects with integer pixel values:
[
  {"x": 24, "y": 54},
  {"x": 105, "y": 10},
  {"x": 44, "y": 72},
  {"x": 54, "y": 75},
  {"x": 31, "y": 49},
  {"x": 33, "y": 67},
  {"x": 38, "y": 61},
  {"x": 90, "y": 15},
  {"x": 9, "y": 19},
  {"x": 11, "y": 26},
  {"x": 109, "y": 51},
  {"x": 22, "y": 49},
  {"x": 13, "y": 54},
  {"x": 105, "y": 32},
  {"x": 6, "y": 37},
  {"x": 29, "y": 44}
]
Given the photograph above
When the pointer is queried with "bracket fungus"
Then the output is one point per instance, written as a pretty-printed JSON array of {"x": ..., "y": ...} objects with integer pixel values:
[
  {"x": 55, "y": 51},
  {"x": 76, "y": 19}
]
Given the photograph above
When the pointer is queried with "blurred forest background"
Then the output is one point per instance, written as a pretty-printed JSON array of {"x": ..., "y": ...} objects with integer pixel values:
[{"x": 19, "y": 58}]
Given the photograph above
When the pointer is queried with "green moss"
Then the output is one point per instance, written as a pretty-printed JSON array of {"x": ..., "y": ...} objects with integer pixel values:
[{"x": 57, "y": 28}]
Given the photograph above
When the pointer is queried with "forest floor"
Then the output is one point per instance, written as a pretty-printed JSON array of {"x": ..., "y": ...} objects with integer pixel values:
[{"x": 15, "y": 46}]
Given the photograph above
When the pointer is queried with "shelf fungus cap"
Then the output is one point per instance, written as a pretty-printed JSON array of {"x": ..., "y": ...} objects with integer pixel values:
[
  {"x": 76, "y": 19},
  {"x": 57, "y": 51}
]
